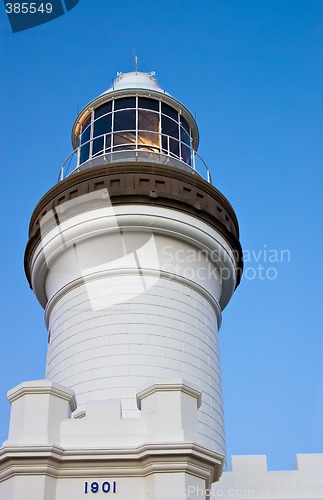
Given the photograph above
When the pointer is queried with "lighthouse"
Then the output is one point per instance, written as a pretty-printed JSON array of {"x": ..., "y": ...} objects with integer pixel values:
[{"x": 133, "y": 254}]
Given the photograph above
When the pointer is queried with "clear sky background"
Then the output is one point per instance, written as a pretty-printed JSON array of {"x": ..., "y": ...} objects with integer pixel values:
[{"x": 251, "y": 71}]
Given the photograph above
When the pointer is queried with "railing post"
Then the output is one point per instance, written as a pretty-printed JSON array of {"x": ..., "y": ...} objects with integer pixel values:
[{"x": 78, "y": 156}]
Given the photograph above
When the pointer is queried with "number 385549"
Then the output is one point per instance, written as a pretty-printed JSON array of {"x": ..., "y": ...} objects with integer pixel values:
[{"x": 29, "y": 8}]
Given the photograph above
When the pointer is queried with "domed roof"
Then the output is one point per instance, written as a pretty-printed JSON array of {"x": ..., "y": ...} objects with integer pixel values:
[
  {"x": 129, "y": 85},
  {"x": 135, "y": 80}
]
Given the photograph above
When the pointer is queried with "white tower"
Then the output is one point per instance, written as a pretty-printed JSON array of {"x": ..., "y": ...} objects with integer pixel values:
[{"x": 133, "y": 255}]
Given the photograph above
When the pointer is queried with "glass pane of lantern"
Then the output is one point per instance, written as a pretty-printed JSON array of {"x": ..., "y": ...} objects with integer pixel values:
[
  {"x": 98, "y": 146},
  {"x": 125, "y": 102},
  {"x": 144, "y": 102},
  {"x": 170, "y": 146},
  {"x": 174, "y": 147},
  {"x": 85, "y": 151},
  {"x": 102, "y": 125},
  {"x": 167, "y": 110},
  {"x": 103, "y": 110},
  {"x": 185, "y": 136},
  {"x": 108, "y": 143},
  {"x": 86, "y": 135},
  {"x": 165, "y": 144},
  {"x": 125, "y": 120},
  {"x": 169, "y": 127},
  {"x": 149, "y": 141},
  {"x": 124, "y": 141},
  {"x": 185, "y": 125},
  {"x": 148, "y": 120},
  {"x": 186, "y": 154}
]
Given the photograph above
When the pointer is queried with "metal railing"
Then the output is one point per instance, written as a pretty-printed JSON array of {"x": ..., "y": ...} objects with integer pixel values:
[{"x": 134, "y": 151}]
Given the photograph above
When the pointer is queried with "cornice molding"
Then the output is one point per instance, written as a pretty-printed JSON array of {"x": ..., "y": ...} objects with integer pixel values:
[
  {"x": 142, "y": 184},
  {"x": 141, "y": 461}
]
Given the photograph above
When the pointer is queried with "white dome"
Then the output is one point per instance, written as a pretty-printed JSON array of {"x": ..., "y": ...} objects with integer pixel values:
[{"x": 135, "y": 80}]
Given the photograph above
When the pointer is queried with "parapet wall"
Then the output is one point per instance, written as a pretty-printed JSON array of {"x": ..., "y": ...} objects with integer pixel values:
[
  {"x": 250, "y": 479},
  {"x": 51, "y": 456}
]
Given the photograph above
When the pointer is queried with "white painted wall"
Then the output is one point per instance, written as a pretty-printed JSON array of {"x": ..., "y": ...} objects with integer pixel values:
[
  {"x": 133, "y": 294},
  {"x": 169, "y": 331}
]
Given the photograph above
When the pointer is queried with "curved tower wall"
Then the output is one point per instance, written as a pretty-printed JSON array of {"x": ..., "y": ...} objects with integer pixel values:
[{"x": 133, "y": 264}]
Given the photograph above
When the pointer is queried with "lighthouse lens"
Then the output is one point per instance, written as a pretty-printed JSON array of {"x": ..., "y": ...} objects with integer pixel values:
[{"x": 136, "y": 123}]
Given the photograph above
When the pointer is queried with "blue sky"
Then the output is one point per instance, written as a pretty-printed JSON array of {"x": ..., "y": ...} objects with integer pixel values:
[{"x": 252, "y": 74}]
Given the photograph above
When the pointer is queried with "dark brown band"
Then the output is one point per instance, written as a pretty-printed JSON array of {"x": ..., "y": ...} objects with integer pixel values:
[{"x": 146, "y": 184}]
